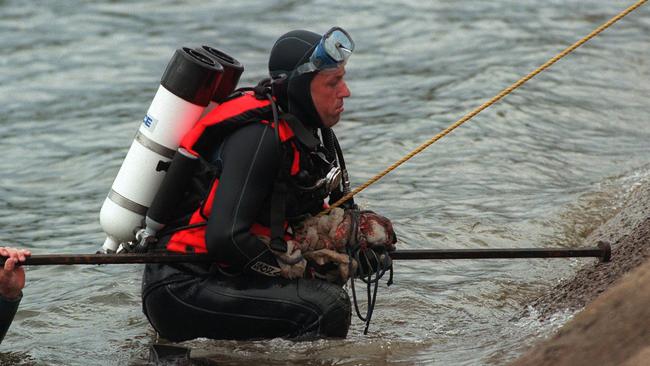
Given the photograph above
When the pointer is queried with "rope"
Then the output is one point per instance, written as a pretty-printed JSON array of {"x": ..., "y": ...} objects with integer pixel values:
[{"x": 495, "y": 99}]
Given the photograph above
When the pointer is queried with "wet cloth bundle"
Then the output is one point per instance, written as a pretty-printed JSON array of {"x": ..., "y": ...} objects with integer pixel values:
[
  {"x": 323, "y": 245},
  {"x": 327, "y": 241}
]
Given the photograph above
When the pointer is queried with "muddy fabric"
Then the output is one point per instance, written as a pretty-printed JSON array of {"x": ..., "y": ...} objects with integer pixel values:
[
  {"x": 326, "y": 240},
  {"x": 335, "y": 231}
]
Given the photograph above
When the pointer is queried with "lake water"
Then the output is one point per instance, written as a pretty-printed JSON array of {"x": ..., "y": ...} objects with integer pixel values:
[{"x": 542, "y": 168}]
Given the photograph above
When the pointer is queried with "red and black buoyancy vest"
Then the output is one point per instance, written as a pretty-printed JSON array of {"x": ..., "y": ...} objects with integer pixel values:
[{"x": 218, "y": 123}]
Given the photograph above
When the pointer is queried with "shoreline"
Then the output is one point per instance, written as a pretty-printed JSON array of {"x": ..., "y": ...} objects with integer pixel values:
[{"x": 611, "y": 322}]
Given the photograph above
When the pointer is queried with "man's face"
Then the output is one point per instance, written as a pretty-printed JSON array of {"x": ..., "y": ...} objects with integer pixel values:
[{"x": 327, "y": 92}]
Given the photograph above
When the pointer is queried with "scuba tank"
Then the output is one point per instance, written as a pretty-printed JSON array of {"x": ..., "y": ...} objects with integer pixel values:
[
  {"x": 232, "y": 70},
  {"x": 169, "y": 191},
  {"x": 186, "y": 88}
]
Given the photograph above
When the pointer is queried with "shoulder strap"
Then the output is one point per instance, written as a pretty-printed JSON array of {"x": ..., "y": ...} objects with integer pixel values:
[
  {"x": 279, "y": 199},
  {"x": 303, "y": 135},
  {"x": 224, "y": 119}
]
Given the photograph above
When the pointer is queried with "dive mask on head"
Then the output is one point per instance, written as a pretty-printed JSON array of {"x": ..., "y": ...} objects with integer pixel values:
[{"x": 333, "y": 50}]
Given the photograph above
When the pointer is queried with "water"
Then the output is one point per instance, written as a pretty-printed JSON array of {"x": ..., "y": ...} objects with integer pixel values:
[{"x": 542, "y": 168}]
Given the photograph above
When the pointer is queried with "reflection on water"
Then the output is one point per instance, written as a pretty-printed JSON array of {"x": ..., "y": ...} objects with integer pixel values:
[{"x": 541, "y": 168}]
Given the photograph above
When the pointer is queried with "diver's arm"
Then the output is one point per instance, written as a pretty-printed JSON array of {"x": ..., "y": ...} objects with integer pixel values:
[
  {"x": 250, "y": 159},
  {"x": 12, "y": 281},
  {"x": 8, "y": 308}
]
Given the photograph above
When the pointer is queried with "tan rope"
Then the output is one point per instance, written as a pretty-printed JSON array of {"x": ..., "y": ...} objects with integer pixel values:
[{"x": 495, "y": 99}]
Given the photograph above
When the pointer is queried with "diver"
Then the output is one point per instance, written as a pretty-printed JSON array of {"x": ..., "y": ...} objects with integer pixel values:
[
  {"x": 12, "y": 281},
  {"x": 269, "y": 160}
]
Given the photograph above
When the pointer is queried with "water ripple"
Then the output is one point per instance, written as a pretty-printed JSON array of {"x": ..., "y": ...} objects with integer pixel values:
[{"x": 543, "y": 167}]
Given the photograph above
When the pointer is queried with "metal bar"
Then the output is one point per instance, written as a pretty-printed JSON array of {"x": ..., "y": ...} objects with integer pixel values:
[
  {"x": 127, "y": 258},
  {"x": 603, "y": 251}
]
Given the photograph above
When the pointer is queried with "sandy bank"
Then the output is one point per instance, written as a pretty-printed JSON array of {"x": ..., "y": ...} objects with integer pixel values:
[
  {"x": 614, "y": 327},
  {"x": 612, "y": 330}
]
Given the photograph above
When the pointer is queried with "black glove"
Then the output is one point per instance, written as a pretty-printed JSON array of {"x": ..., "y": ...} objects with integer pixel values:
[
  {"x": 372, "y": 238},
  {"x": 285, "y": 260},
  {"x": 372, "y": 261}
]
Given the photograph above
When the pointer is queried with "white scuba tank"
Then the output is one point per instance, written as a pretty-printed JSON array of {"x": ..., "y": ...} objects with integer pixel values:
[
  {"x": 181, "y": 169},
  {"x": 187, "y": 86}
]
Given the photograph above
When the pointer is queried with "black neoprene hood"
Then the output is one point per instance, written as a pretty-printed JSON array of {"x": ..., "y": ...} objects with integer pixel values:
[{"x": 294, "y": 94}]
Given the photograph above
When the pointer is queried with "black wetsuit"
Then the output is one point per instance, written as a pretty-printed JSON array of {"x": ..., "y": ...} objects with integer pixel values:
[
  {"x": 8, "y": 309},
  {"x": 189, "y": 301}
]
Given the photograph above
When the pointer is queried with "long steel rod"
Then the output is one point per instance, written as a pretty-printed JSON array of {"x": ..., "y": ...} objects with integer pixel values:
[{"x": 603, "y": 252}]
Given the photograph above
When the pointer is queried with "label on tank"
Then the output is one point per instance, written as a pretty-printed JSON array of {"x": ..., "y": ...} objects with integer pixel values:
[{"x": 149, "y": 122}]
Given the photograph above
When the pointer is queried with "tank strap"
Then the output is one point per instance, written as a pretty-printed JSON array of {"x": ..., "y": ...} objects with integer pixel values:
[
  {"x": 278, "y": 207},
  {"x": 280, "y": 189},
  {"x": 303, "y": 135}
]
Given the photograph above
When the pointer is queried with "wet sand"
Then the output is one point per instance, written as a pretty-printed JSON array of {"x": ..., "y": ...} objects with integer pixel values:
[{"x": 614, "y": 326}]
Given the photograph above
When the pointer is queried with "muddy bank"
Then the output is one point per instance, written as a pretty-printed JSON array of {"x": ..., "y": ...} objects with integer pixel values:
[
  {"x": 612, "y": 330},
  {"x": 628, "y": 233},
  {"x": 629, "y": 252},
  {"x": 614, "y": 327}
]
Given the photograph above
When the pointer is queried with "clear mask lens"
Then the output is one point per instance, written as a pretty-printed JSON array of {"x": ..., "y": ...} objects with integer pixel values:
[
  {"x": 333, "y": 50},
  {"x": 338, "y": 45}
]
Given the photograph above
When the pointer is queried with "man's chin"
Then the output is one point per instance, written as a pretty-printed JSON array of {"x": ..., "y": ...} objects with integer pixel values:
[{"x": 332, "y": 121}]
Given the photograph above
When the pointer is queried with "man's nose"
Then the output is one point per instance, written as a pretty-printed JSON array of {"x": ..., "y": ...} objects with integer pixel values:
[{"x": 344, "y": 92}]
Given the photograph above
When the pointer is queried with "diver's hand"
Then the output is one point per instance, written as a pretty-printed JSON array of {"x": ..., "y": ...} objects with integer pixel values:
[
  {"x": 289, "y": 260},
  {"x": 292, "y": 263},
  {"x": 375, "y": 231},
  {"x": 12, "y": 277},
  {"x": 372, "y": 238},
  {"x": 330, "y": 265}
]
